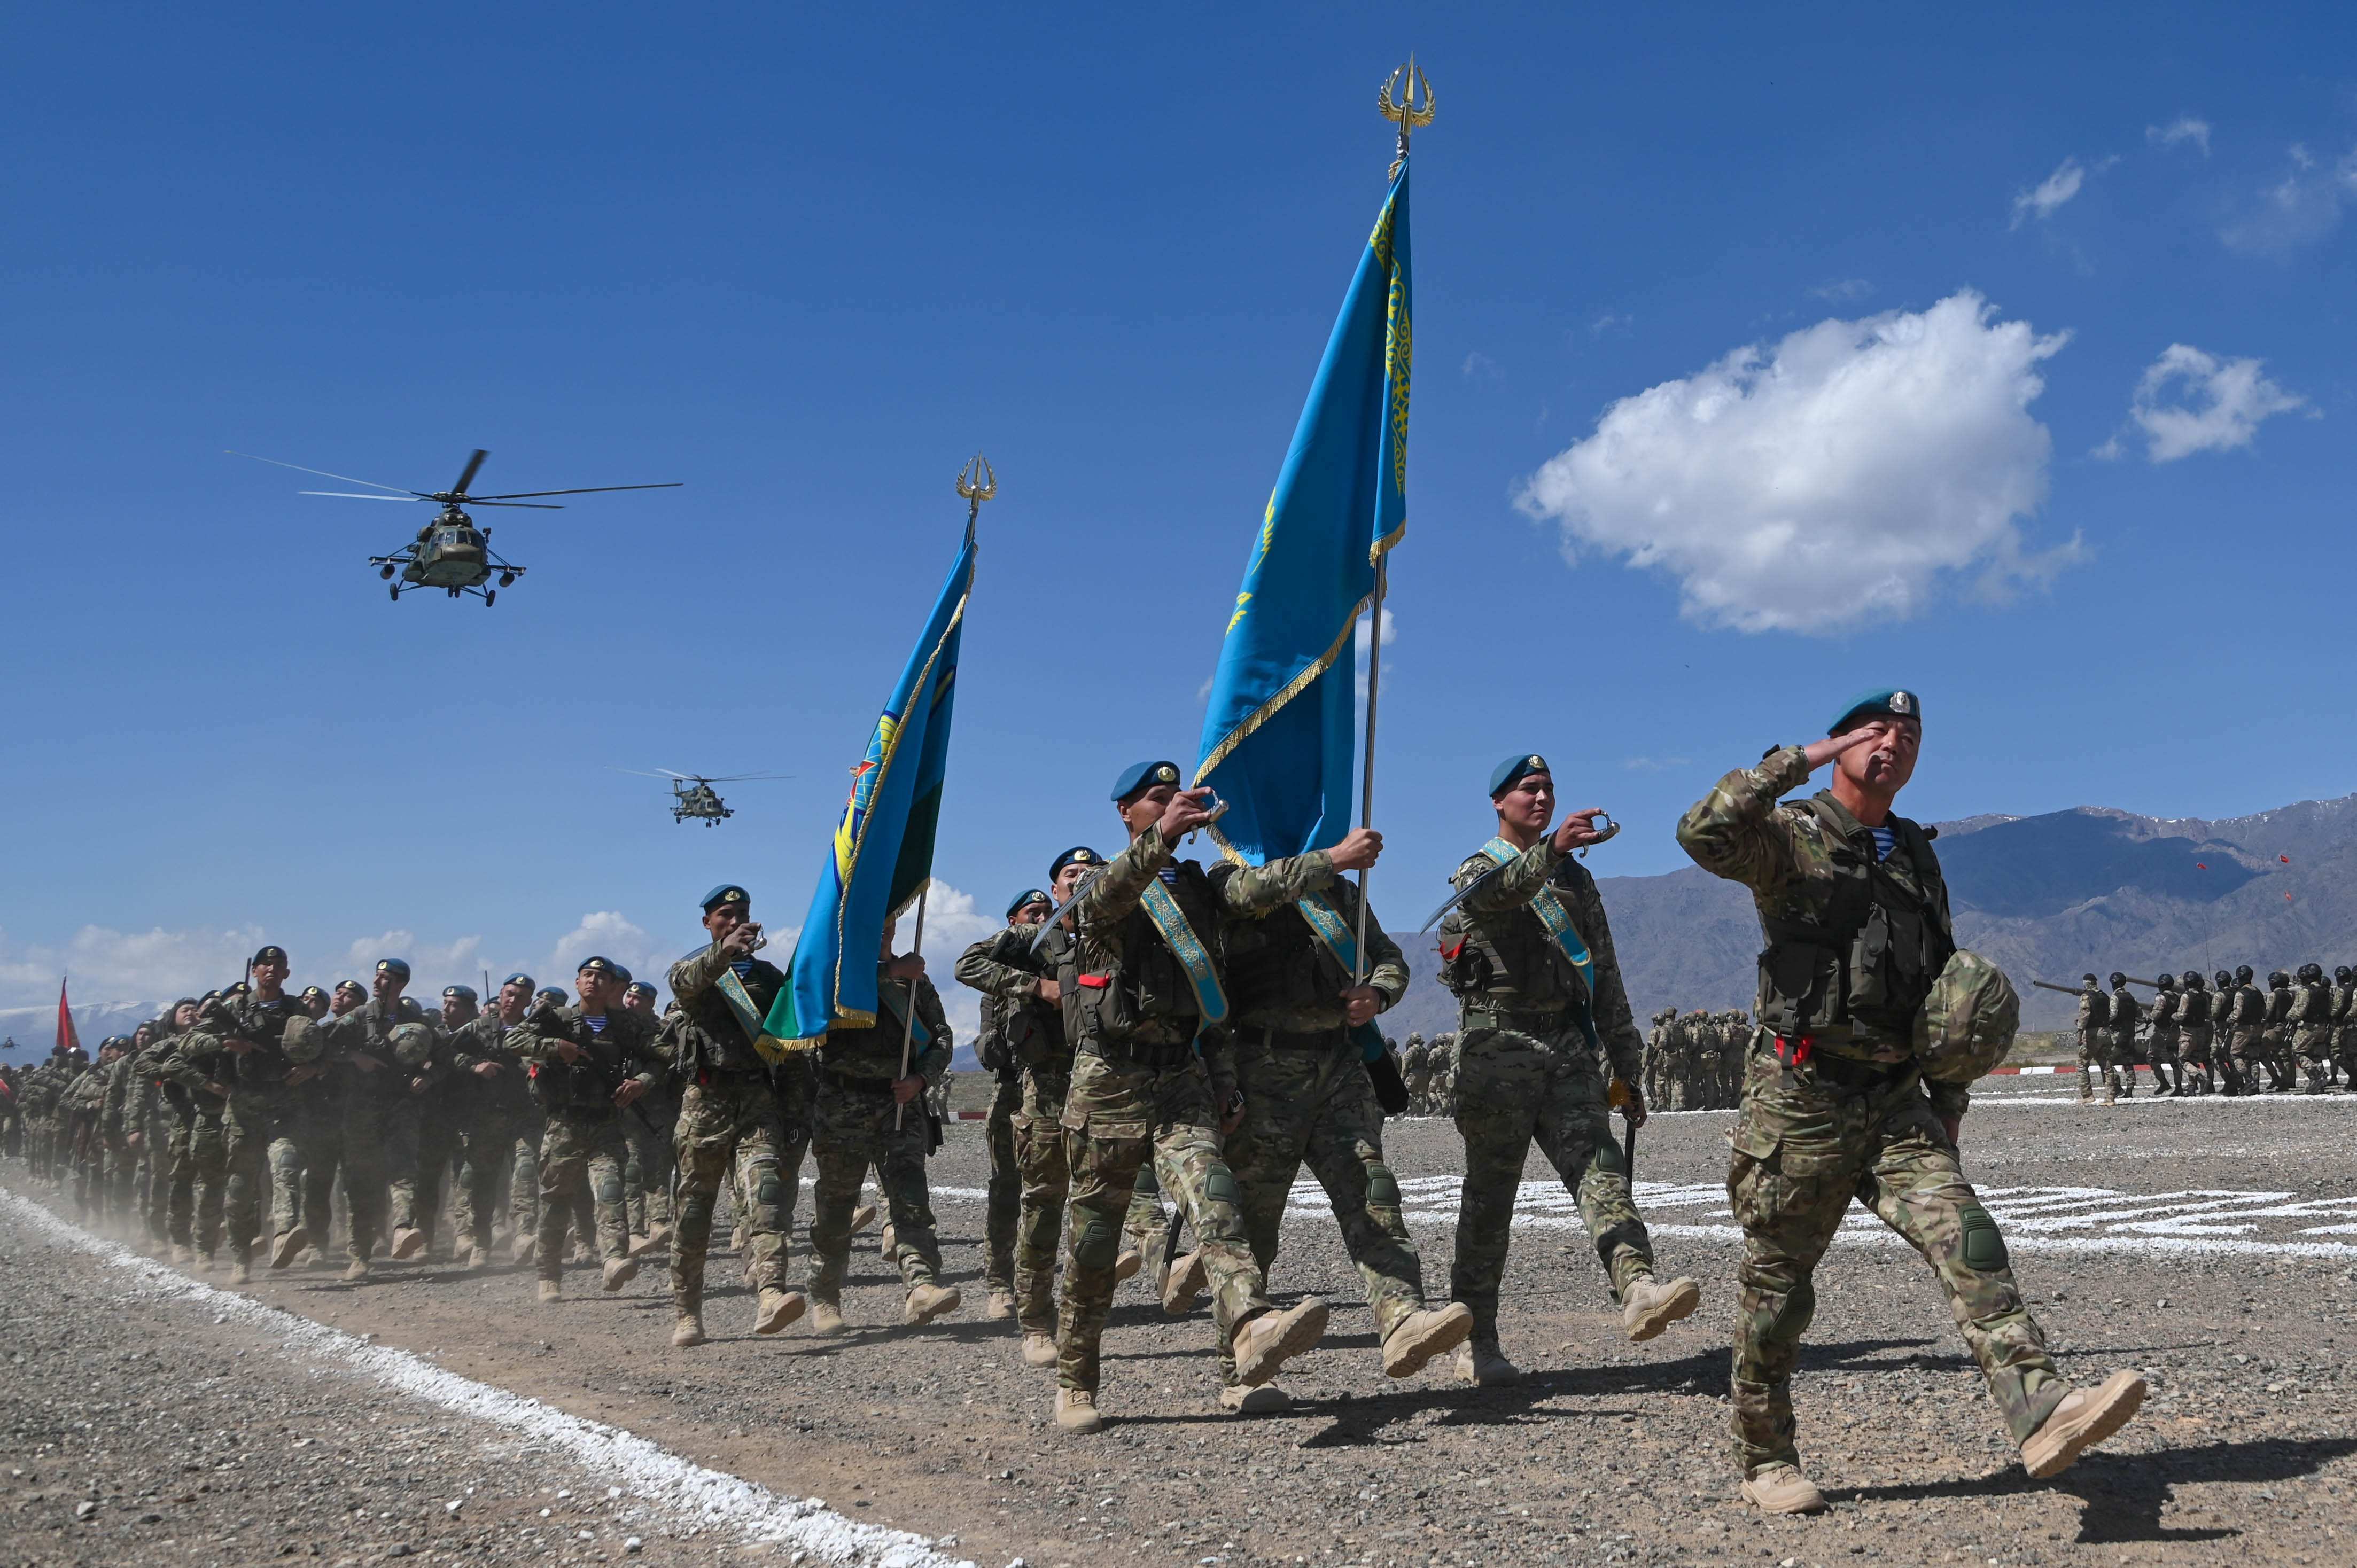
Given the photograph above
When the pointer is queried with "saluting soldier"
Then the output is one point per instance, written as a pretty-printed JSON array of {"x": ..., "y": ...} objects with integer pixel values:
[
  {"x": 989, "y": 966},
  {"x": 500, "y": 1141},
  {"x": 1528, "y": 952},
  {"x": 734, "y": 1115},
  {"x": 1154, "y": 1078},
  {"x": 1305, "y": 1040},
  {"x": 1855, "y": 911},
  {"x": 590, "y": 1062}
]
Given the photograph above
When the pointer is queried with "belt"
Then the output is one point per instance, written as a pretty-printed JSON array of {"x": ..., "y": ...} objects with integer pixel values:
[
  {"x": 1159, "y": 1058},
  {"x": 856, "y": 1084},
  {"x": 1528, "y": 1020},
  {"x": 1848, "y": 1072}
]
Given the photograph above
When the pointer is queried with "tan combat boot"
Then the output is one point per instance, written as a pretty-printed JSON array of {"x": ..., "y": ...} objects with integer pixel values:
[
  {"x": 776, "y": 1308},
  {"x": 826, "y": 1318},
  {"x": 1270, "y": 1340},
  {"x": 552, "y": 1290},
  {"x": 1782, "y": 1488},
  {"x": 239, "y": 1270},
  {"x": 407, "y": 1242},
  {"x": 1126, "y": 1265},
  {"x": 1001, "y": 1304},
  {"x": 521, "y": 1249},
  {"x": 927, "y": 1302},
  {"x": 687, "y": 1329},
  {"x": 1076, "y": 1409},
  {"x": 1265, "y": 1399},
  {"x": 1648, "y": 1306},
  {"x": 1183, "y": 1286},
  {"x": 1039, "y": 1350},
  {"x": 891, "y": 1248},
  {"x": 1482, "y": 1364},
  {"x": 478, "y": 1258},
  {"x": 1420, "y": 1336},
  {"x": 357, "y": 1271},
  {"x": 288, "y": 1243},
  {"x": 619, "y": 1272},
  {"x": 182, "y": 1256},
  {"x": 863, "y": 1216},
  {"x": 2084, "y": 1418}
]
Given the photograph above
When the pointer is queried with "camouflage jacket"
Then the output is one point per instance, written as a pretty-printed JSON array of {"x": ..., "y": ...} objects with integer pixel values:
[
  {"x": 1006, "y": 969},
  {"x": 506, "y": 1094},
  {"x": 710, "y": 1036},
  {"x": 2094, "y": 1009},
  {"x": 1499, "y": 912},
  {"x": 585, "y": 1087},
  {"x": 1280, "y": 976},
  {"x": 874, "y": 1053},
  {"x": 367, "y": 1031}
]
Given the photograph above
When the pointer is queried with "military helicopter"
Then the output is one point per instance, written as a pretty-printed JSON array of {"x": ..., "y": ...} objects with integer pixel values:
[
  {"x": 449, "y": 552},
  {"x": 692, "y": 795}
]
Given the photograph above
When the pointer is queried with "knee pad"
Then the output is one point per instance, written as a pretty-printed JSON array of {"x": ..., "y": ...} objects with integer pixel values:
[
  {"x": 1219, "y": 1187},
  {"x": 1606, "y": 1157},
  {"x": 767, "y": 1185},
  {"x": 1789, "y": 1322},
  {"x": 1983, "y": 1247},
  {"x": 1095, "y": 1244},
  {"x": 1383, "y": 1187},
  {"x": 610, "y": 1190}
]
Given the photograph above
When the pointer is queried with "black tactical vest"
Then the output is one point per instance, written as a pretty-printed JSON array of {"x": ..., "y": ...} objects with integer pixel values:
[
  {"x": 2193, "y": 1010},
  {"x": 1276, "y": 962},
  {"x": 1877, "y": 946},
  {"x": 710, "y": 1038},
  {"x": 1130, "y": 986},
  {"x": 1506, "y": 960}
]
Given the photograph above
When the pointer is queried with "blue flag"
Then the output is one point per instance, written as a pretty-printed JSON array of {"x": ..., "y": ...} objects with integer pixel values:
[
  {"x": 1278, "y": 738},
  {"x": 882, "y": 854}
]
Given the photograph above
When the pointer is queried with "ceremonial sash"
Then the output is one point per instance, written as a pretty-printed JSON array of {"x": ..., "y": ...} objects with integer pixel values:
[
  {"x": 917, "y": 1036},
  {"x": 1326, "y": 923},
  {"x": 767, "y": 1047},
  {"x": 1188, "y": 949},
  {"x": 1560, "y": 930}
]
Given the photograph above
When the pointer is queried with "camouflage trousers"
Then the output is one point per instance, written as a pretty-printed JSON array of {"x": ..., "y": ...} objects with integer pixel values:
[
  {"x": 730, "y": 1129},
  {"x": 579, "y": 1152},
  {"x": 1037, "y": 1131},
  {"x": 1513, "y": 1089},
  {"x": 1317, "y": 1106},
  {"x": 1003, "y": 1203},
  {"x": 123, "y": 1163},
  {"x": 1117, "y": 1117},
  {"x": 2194, "y": 1070},
  {"x": 379, "y": 1136},
  {"x": 853, "y": 1126},
  {"x": 1801, "y": 1150},
  {"x": 171, "y": 1196},
  {"x": 647, "y": 1177},
  {"x": 2095, "y": 1062},
  {"x": 265, "y": 1173},
  {"x": 2254, "y": 1062},
  {"x": 2167, "y": 1068},
  {"x": 316, "y": 1123},
  {"x": 2311, "y": 1045},
  {"x": 1146, "y": 1224},
  {"x": 493, "y": 1148},
  {"x": 441, "y": 1133},
  {"x": 208, "y": 1176}
]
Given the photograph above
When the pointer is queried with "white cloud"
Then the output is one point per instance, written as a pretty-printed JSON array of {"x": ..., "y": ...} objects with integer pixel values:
[
  {"x": 2305, "y": 205},
  {"x": 1842, "y": 291},
  {"x": 1480, "y": 367},
  {"x": 954, "y": 923},
  {"x": 106, "y": 964},
  {"x": 1654, "y": 764},
  {"x": 1828, "y": 481},
  {"x": 2049, "y": 194},
  {"x": 1359, "y": 650},
  {"x": 2191, "y": 402},
  {"x": 1611, "y": 321},
  {"x": 2184, "y": 128}
]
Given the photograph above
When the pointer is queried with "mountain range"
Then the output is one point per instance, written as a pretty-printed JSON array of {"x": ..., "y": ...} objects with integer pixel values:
[{"x": 2048, "y": 897}]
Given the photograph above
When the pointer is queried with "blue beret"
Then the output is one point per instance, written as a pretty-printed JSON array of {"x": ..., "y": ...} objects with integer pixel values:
[
  {"x": 621, "y": 972},
  {"x": 640, "y": 987},
  {"x": 398, "y": 966},
  {"x": 726, "y": 893},
  {"x": 548, "y": 993},
  {"x": 599, "y": 965},
  {"x": 518, "y": 978},
  {"x": 1515, "y": 768},
  {"x": 463, "y": 993},
  {"x": 1028, "y": 895},
  {"x": 1079, "y": 854},
  {"x": 1140, "y": 775},
  {"x": 1882, "y": 701}
]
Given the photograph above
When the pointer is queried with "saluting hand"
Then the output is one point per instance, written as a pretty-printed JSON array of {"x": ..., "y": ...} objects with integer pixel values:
[
  {"x": 1821, "y": 752},
  {"x": 1185, "y": 814}
]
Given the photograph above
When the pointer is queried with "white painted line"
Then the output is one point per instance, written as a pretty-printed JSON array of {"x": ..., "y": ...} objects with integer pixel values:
[{"x": 685, "y": 1493}]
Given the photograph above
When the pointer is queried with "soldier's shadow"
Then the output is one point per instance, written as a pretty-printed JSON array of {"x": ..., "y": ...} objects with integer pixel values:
[{"x": 2122, "y": 1495}]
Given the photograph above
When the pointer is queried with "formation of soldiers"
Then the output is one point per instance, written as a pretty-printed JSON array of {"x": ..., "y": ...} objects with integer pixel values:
[
  {"x": 2219, "y": 1035},
  {"x": 1160, "y": 1031},
  {"x": 1693, "y": 1061}
]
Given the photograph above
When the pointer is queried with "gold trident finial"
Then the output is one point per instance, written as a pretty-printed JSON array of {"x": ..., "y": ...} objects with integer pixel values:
[
  {"x": 977, "y": 484},
  {"x": 1403, "y": 110}
]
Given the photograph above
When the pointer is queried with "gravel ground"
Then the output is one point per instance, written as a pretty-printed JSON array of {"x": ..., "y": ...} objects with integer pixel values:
[{"x": 2211, "y": 1243}]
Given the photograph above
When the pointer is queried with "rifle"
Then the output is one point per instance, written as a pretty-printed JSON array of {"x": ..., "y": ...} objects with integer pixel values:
[
  {"x": 548, "y": 1020},
  {"x": 1620, "y": 1097}
]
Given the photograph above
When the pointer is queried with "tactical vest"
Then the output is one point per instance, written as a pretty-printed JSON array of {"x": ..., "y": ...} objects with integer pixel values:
[
  {"x": 709, "y": 1038},
  {"x": 2314, "y": 1006},
  {"x": 266, "y": 1067},
  {"x": 1129, "y": 987},
  {"x": 1506, "y": 961},
  {"x": 1871, "y": 957},
  {"x": 2278, "y": 1006},
  {"x": 2250, "y": 1007},
  {"x": 2124, "y": 1010},
  {"x": 369, "y": 1032},
  {"x": 2099, "y": 1009},
  {"x": 1276, "y": 963},
  {"x": 2166, "y": 1009},
  {"x": 584, "y": 1088},
  {"x": 2193, "y": 1010},
  {"x": 874, "y": 1053},
  {"x": 1037, "y": 1035}
]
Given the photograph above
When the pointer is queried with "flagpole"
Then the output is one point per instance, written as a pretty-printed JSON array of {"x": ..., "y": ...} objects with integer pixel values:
[
  {"x": 1367, "y": 770},
  {"x": 909, "y": 1017}
]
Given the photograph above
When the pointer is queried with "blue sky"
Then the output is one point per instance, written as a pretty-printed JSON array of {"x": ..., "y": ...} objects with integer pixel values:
[{"x": 2046, "y": 313}]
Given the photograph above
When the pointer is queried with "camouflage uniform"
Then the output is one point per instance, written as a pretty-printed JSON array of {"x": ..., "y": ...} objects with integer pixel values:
[
  {"x": 2252, "y": 1053},
  {"x": 654, "y": 1143},
  {"x": 582, "y": 1141},
  {"x": 2126, "y": 1013},
  {"x": 2196, "y": 1013},
  {"x": 2311, "y": 1029},
  {"x": 1027, "y": 1037},
  {"x": 171, "y": 1191},
  {"x": 1841, "y": 1113},
  {"x": 2094, "y": 1024},
  {"x": 500, "y": 1141},
  {"x": 1416, "y": 1068},
  {"x": 1146, "y": 1089},
  {"x": 190, "y": 1064},
  {"x": 1308, "y": 1097},
  {"x": 734, "y": 1117},
  {"x": 116, "y": 1121},
  {"x": 855, "y": 1121},
  {"x": 1527, "y": 1071},
  {"x": 2344, "y": 1031},
  {"x": 2168, "y": 1067},
  {"x": 265, "y": 1171},
  {"x": 381, "y": 1113},
  {"x": 1003, "y": 1199}
]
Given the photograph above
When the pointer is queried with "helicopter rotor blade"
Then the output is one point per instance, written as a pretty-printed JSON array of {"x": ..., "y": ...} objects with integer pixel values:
[
  {"x": 398, "y": 491},
  {"x": 474, "y": 466},
  {"x": 745, "y": 777},
  {"x": 591, "y": 490},
  {"x": 356, "y": 496},
  {"x": 657, "y": 773},
  {"x": 534, "y": 506}
]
